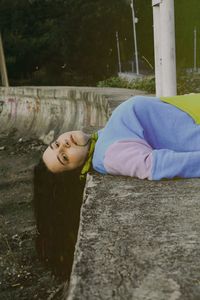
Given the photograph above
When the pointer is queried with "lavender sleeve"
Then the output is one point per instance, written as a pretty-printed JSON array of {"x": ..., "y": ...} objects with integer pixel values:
[{"x": 131, "y": 157}]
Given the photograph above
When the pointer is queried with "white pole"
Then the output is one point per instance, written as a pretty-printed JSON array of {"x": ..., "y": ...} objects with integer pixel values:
[
  {"x": 195, "y": 49},
  {"x": 168, "y": 47},
  {"x": 118, "y": 52},
  {"x": 157, "y": 50},
  {"x": 166, "y": 57},
  {"x": 135, "y": 37},
  {"x": 3, "y": 69}
]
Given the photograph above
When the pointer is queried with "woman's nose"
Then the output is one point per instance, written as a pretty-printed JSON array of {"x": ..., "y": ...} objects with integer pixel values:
[{"x": 63, "y": 146}]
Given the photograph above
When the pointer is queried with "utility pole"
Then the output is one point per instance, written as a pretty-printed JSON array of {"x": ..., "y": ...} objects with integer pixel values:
[
  {"x": 164, "y": 47},
  {"x": 195, "y": 50},
  {"x": 3, "y": 69},
  {"x": 118, "y": 52},
  {"x": 135, "y": 20}
]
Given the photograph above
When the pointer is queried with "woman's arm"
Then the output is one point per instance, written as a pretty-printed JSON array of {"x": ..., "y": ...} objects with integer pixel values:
[
  {"x": 136, "y": 158},
  {"x": 131, "y": 157},
  {"x": 170, "y": 164}
]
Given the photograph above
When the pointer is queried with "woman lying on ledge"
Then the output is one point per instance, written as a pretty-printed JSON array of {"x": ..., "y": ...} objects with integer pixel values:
[{"x": 146, "y": 137}]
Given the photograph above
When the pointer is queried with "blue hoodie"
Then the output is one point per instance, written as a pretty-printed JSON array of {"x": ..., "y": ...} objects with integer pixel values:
[{"x": 148, "y": 138}]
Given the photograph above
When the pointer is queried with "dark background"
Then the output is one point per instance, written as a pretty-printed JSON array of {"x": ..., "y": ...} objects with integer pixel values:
[{"x": 72, "y": 42}]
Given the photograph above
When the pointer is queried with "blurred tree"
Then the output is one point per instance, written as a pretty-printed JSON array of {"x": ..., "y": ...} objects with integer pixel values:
[
  {"x": 91, "y": 32},
  {"x": 31, "y": 35},
  {"x": 57, "y": 37}
]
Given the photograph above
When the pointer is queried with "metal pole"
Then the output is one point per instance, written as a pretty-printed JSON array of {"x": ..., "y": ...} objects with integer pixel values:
[
  {"x": 118, "y": 52},
  {"x": 3, "y": 70},
  {"x": 195, "y": 49},
  {"x": 135, "y": 37}
]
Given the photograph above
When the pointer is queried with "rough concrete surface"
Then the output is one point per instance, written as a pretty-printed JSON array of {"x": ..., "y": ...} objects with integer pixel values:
[
  {"x": 46, "y": 112},
  {"x": 138, "y": 240}
]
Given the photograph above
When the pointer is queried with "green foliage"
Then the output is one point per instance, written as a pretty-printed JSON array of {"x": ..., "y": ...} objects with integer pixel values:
[
  {"x": 113, "y": 82},
  {"x": 188, "y": 84},
  {"x": 185, "y": 83},
  {"x": 144, "y": 84}
]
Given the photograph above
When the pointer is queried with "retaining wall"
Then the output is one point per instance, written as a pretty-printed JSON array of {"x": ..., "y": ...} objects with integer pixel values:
[{"x": 43, "y": 112}]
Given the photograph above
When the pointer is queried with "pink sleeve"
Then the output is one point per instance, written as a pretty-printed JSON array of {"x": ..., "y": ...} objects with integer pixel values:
[{"x": 129, "y": 158}]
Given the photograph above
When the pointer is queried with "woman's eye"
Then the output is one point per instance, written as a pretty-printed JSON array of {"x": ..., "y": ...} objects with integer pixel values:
[
  {"x": 56, "y": 144},
  {"x": 65, "y": 158}
]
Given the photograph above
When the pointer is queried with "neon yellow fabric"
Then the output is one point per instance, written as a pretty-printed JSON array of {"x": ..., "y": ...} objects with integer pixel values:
[
  {"x": 188, "y": 103},
  {"x": 88, "y": 162}
]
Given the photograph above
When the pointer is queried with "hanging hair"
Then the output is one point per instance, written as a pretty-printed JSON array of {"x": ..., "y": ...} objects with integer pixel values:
[{"x": 57, "y": 200}]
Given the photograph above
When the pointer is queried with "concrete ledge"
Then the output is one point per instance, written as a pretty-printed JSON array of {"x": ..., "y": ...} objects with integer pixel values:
[{"x": 137, "y": 240}]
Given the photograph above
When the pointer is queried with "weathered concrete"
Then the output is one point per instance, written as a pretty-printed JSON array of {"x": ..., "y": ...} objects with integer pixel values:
[
  {"x": 138, "y": 240},
  {"x": 44, "y": 112}
]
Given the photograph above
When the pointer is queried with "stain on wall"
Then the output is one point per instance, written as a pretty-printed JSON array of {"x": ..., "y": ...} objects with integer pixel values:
[
  {"x": 13, "y": 103},
  {"x": 1, "y": 105}
]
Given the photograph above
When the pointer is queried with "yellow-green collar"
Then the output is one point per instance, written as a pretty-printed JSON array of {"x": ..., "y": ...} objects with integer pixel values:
[{"x": 88, "y": 162}]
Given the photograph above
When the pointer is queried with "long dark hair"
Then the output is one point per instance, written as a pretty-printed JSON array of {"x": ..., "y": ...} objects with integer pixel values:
[{"x": 57, "y": 200}]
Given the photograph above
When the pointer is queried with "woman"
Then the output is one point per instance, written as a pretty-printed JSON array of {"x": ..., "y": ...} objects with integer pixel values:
[{"x": 146, "y": 137}]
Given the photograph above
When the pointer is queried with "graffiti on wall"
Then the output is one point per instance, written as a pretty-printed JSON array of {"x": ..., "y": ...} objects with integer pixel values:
[{"x": 30, "y": 106}]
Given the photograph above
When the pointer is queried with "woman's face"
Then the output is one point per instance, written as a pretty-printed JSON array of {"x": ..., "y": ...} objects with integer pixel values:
[{"x": 67, "y": 152}]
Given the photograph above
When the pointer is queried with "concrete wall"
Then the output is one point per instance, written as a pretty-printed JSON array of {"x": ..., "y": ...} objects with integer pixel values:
[{"x": 43, "y": 112}]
